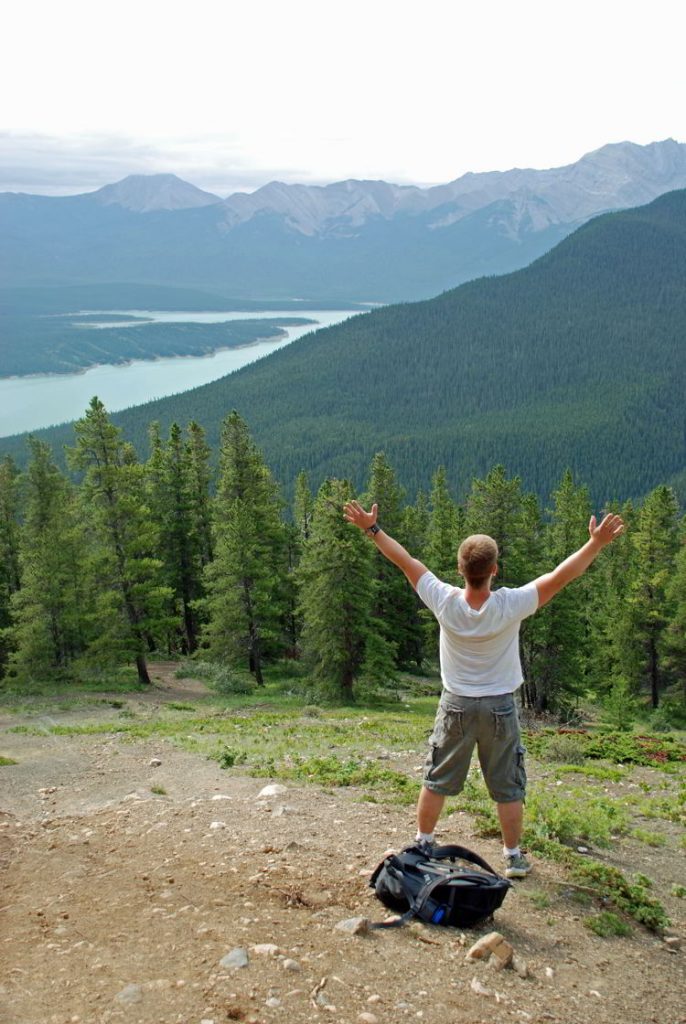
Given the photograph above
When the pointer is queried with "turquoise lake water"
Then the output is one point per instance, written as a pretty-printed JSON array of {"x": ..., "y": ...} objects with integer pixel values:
[{"x": 28, "y": 403}]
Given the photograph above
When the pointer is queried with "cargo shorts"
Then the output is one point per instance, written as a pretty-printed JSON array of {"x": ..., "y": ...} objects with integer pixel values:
[{"x": 490, "y": 724}]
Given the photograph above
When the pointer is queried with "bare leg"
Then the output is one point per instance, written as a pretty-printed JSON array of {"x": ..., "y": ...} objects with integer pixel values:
[
  {"x": 511, "y": 817},
  {"x": 429, "y": 807}
]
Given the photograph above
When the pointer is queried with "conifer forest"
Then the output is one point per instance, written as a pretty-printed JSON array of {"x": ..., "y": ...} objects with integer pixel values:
[{"x": 124, "y": 559}]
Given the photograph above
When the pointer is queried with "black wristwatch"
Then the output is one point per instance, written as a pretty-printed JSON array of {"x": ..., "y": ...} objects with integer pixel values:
[{"x": 374, "y": 528}]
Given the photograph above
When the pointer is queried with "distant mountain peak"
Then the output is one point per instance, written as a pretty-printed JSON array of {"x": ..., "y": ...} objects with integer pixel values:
[{"x": 143, "y": 193}]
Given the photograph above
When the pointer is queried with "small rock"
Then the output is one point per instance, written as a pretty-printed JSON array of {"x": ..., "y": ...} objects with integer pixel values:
[
  {"x": 367, "y": 1018},
  {"x": 154, "y": 762},
  {"x": 672, "y": 942},
  {"x": 275, "y": 789},
  {"x": 273, "y": 1002},
  {"x": 283, "y": 809},
  {"x": 291, "y": 965},
  {"x": 221, "y": 796},
  {"x": 374, "y": 999},
  {"x": 520, "y": 966},
  {"x": 582, "y": 849},
  {"x": 549, "y": 972},
  {"x": 594, "y": 992},
  {"x": 215, "y": 825},
  {"x": 480, "y": 989},
  {"x": 130, "y": 994},
  {"x": 354, "y": 926},
  {"x": 265, "y": 949},
  {"x": 236, "y": 958},
  {"x": 492, "y": 944},
  {"x": 322, "y": 999}
]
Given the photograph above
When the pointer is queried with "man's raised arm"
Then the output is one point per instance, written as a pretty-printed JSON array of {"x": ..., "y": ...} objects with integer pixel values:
[
  {"x": 389, "y": 548},
  {"x": 577, "y": 564}
]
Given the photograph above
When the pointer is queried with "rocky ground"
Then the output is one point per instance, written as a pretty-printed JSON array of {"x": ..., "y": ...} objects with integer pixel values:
[{"x": 132, "y": 890}]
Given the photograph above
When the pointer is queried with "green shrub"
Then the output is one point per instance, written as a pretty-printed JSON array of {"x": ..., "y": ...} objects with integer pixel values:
[
  {"x": 679, "y": 891},
  {"x": 4, "y": 761},
  {"x": 633, "y": 748},
  {"x": 567, "y": 748},
  {"x": 620, "y": 707},
  {"x": 607, "y": 924}
]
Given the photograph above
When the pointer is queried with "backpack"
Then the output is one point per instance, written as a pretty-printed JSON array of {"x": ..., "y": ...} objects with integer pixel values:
[{"x": 450, "y": 886}]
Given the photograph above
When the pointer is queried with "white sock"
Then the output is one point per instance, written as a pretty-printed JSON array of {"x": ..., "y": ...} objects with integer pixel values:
[
  {"x": 424, "y": 837},
  {"x": 514, "y": 852}
]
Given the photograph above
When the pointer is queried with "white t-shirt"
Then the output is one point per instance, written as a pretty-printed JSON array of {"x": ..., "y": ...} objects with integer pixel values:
[{"x": 479, "y": 649}]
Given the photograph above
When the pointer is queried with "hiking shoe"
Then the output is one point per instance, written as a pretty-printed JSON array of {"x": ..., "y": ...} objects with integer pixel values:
[
  {"x": 425, "y": 846},
  {"x": 517, "y": 866}
]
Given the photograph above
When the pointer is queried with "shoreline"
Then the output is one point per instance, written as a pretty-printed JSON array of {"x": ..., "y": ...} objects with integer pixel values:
[{"x": 57, "y": 374}]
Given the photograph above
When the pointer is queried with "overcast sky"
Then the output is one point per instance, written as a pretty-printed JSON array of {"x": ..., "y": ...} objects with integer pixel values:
[{"x": 232, "y": 95}]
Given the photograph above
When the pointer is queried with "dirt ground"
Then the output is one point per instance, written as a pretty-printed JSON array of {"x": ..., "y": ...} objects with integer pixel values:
[{"x": 118, "y": 904}]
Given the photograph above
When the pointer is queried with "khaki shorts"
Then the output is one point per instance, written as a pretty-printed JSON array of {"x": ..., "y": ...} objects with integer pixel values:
[{"x": 491, "y": 725}]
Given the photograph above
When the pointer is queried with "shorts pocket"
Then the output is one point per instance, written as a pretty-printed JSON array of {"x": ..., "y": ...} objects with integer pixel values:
[
  {"x": 448, "y": 727},
  {"x": 504, "y": 721}
]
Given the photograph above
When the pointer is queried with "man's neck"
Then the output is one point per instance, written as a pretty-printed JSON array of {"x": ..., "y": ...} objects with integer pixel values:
[{"x": 476, "y": 597}]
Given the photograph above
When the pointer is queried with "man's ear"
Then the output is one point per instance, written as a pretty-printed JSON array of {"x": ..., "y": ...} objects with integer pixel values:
[{"x": 494, "y": 570}]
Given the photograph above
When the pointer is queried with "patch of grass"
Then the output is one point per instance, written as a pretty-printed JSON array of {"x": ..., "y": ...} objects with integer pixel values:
[
  {"x": 5, "y": 761},
  {"x": 177, "y": 705},
  {"x": 593, "y": 771},
  {"x": 671, "y": 807},
  {"x": 574, "y": 815},
  {"x": 332, "y": 771},
  {"x": 607, "y": 925},
  {"x": 607, "y": 883},
  {"x": 679, "y": 891},
  {"x": 649, "y": 838},
  {"x": 158, "y": 790},
  {"x": 540, "y": 900}
]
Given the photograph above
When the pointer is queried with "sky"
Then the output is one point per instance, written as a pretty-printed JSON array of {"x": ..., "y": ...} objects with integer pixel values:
[{"x": 231, "y": 95}]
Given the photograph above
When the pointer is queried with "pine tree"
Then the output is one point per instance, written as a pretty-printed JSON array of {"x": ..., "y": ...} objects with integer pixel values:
[
  {"x": 444, "y": 531},
  {"x": 9, "y": 549},
  {"x": 50, "y": 629},
  {"x": 395, "y": 611},
  {"x": 336, "y": 593},
  {"x": 675, "y": 635},
  {"x": 496, "y": 507},
  {"x": 245, "y": 583},
  {"x": 130, "y": 600},
  {"x": 655, "y": 544},
  {"x": 198, "y": 453},
  {"x": 171, "y": 492},
  {"x": 559, "y": 665}
]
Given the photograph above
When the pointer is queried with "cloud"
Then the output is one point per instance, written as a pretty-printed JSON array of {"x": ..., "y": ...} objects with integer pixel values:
[{"x": 68, "y": 165}]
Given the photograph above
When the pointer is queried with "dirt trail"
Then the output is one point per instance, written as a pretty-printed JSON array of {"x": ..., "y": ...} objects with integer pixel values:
[{"x": 118, "y": 905}]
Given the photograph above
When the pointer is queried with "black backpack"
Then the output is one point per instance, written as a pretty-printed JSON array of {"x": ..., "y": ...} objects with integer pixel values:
[{"x": 451, "y": 885}]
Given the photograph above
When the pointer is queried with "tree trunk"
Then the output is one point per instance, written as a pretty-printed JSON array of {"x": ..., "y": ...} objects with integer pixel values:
[
  {"x": 143, "y": 676},
  {"x": 654, "y": 674}
]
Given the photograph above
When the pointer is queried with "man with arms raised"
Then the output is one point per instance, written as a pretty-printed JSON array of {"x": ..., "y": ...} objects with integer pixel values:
[{"x": 480, "y": 669}]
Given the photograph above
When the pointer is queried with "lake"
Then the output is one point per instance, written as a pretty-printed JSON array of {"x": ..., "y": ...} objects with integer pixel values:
[{"x": 28, "y": 403}]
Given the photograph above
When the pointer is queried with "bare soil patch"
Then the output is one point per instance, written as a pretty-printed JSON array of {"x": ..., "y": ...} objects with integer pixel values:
[{"x": 118, "y": 904}]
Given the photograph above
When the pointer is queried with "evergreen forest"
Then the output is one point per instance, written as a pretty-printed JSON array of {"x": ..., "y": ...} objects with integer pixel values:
[
  {"x": 164, "y": 556},
  {"x": 577, "y": 361}
]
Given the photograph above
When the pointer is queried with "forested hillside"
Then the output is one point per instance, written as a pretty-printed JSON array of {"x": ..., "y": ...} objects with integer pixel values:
[{"x": 578, "y": 360}]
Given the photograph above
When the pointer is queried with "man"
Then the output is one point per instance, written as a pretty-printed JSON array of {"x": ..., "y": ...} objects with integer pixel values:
[{"x": 480, "y": 670}]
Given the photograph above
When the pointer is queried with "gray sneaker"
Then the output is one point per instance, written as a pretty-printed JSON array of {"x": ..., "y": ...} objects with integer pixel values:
[
  {"x": 517, "y": 866},
  {"x": 426, "y": 846}
]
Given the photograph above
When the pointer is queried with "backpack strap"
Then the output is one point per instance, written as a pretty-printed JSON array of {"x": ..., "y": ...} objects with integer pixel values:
[
  {"x": 461, "y": 853},
  {"x": 416, "y": 902}
]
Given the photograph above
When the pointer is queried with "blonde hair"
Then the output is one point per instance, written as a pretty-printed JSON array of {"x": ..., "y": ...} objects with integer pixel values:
[{"x": 476, "y": 557}]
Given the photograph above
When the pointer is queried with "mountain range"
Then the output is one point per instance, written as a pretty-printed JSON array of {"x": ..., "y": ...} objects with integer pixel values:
[
  {"x": 350, "y": 240},
  {"x": 578, "y": 360}
]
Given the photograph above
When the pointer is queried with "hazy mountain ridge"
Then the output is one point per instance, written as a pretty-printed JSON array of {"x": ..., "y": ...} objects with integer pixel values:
[{"x": 350, "y": 240}]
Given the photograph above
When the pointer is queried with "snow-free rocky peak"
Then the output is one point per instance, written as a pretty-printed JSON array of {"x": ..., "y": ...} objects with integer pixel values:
[{"x": 143, "y": 193}]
